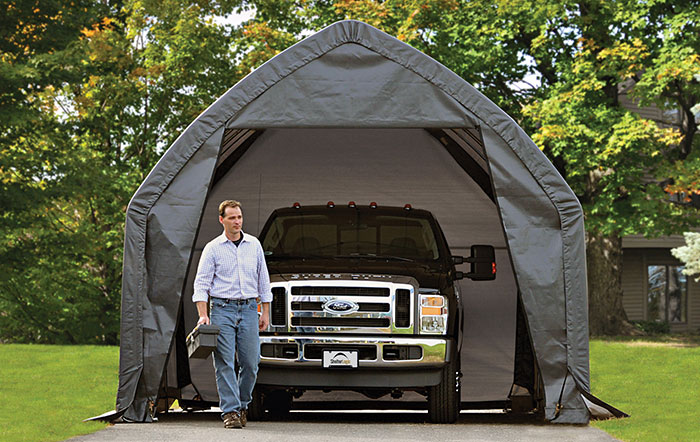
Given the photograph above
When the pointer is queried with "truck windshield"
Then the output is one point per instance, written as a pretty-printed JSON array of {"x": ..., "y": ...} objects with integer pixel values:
[{"x": 349, "y": 235}]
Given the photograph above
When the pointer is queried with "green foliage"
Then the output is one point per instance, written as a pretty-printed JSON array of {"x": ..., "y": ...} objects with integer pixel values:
[
  {"x": 88, "y": 109},
  {"x": 653, "y": 327},
  {"x": 47, "y": 391},
  {"x": 655, "y": 381},
  {"x": 35, "y": 43},
  {"x": 53, "y": 278},
  {"x": 618, "y": 163}
]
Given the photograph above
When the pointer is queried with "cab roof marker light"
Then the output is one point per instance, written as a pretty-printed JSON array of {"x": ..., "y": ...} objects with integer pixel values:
[
  {"x": 373, "y": 205},
  {"x": 296, "y": 205},
  {"x": 407, "y": 207},
  {"x": 352, "y": 204},
  {"x": 330, "y": 204}
]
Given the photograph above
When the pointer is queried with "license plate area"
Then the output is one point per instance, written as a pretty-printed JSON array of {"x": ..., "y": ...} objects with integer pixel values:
[{"x": 340, "y": 358}]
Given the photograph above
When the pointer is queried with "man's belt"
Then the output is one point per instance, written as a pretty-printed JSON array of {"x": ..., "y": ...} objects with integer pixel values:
[{"x": 235, "y": 301}]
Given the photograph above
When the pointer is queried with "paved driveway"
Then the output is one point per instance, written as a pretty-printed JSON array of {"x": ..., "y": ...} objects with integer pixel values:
[{"x": 383, "y": 426}]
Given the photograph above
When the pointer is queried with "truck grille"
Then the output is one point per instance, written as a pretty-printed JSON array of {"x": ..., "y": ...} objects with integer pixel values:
[
  {"x": 278, "y": 307},
  {"x": 318, "y": 306},
  {"x": 339, "y": 291},
  {"x": 403, "y": 308},
  {"x": 341, "y": 306},
  {"x": 340, "y": 322}
]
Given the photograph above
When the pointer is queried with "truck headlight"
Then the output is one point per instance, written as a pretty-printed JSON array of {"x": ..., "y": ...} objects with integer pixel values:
[{"x": 433, "y": 314}]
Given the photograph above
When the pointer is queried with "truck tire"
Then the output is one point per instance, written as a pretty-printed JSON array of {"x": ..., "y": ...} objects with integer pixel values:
[
  {"x": 256, "y": 412},
  {"x": 278, "y": 403},
  {"x": 444, "y": 398}
]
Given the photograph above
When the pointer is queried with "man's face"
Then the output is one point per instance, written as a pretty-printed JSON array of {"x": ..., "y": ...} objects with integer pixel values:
[{"x": 232, "y": 221}]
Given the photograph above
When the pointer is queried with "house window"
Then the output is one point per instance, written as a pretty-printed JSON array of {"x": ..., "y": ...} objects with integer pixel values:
[{"x": 667, "y": 294}]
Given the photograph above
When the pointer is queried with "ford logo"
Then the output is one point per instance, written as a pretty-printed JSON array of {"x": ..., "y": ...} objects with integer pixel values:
[{"x": 340, "y": 307}]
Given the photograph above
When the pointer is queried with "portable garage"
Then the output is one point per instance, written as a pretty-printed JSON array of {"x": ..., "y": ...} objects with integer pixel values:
[{"x": 351, "y": 113}]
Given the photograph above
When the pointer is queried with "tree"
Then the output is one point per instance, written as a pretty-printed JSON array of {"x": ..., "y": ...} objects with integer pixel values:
[
  {"x": 618, "y": 163},
  {"x": 91, "y": 102},
  {"x": 690, "y": 254},
  {"x": 43, "y": 285}
]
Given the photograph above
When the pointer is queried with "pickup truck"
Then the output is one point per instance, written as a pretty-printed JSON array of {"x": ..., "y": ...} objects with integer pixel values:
[{"x": 364, "y": 299}]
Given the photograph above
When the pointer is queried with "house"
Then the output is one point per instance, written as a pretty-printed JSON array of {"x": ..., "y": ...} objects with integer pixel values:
[{"x": 653, "y": 286}]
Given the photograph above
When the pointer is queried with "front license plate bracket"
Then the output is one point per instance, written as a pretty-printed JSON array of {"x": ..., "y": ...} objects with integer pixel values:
[{"x": 340, "y": 358}]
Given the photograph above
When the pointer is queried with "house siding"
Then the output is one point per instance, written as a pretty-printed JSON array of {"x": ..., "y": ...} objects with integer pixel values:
[
  {"x": 633, "y": 285},
  {"x": 663, "y": 119}
]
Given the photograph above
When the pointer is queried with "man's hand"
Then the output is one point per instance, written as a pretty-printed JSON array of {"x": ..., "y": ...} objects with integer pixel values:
[
  {"x": 203, "y": 311},
  {"x": 263, "y": 322},
  {"x": 264, "y": 319}
]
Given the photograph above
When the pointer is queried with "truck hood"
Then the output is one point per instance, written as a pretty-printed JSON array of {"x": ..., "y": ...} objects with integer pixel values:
[{"x": 432, "y": 276}]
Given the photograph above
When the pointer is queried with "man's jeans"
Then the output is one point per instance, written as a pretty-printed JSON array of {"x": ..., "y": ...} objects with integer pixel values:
[{"x": 239, "y": 335}]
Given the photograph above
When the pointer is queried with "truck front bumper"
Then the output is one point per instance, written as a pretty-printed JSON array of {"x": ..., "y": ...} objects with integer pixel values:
[
  {"x": 380, "y": 363},
  {"x": 375, "y": 352}
]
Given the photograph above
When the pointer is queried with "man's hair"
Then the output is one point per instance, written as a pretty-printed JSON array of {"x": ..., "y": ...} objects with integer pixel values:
[{"x": 228, "y": 203}]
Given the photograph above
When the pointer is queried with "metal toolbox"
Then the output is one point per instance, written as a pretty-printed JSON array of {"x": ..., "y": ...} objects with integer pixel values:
[{"x": 202, "y": 341}]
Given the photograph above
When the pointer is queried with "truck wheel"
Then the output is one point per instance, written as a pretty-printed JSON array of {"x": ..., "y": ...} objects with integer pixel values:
[
  {"x": 278, "y": 403},
  {"x": 256, "y": 412},
  {"x": 444, "y": 398}
]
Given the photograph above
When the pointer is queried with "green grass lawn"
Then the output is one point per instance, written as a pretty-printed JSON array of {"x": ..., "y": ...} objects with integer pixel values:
[
  {"x": 47, "y": 390},
  {"x": 654, "y": 380}
]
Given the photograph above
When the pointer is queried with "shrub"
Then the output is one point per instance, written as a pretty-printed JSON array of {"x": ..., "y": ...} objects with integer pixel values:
[{"x": 653, "y": 327}]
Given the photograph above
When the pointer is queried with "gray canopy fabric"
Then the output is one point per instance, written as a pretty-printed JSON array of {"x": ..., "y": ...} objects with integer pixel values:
[{"x": 353, "y": 112}]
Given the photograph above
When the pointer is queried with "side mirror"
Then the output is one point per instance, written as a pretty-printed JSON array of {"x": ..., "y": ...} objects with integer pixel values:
[{"x": 483, "y": 263}]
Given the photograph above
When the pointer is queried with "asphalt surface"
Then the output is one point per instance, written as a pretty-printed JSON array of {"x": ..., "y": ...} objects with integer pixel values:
[{"x": 385, "y": 426}]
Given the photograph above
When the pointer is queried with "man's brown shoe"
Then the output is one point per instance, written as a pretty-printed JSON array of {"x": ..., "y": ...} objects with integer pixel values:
[
  {"x": 232, "y": 420},
  {"x": 244, "y": 417}
]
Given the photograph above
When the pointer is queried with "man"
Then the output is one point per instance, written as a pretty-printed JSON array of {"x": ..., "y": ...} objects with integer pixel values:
[{"x": 233, "y": 274}]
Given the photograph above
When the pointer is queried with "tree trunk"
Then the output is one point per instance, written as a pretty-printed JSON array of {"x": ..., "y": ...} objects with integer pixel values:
[{"x": 606, "y": 316}]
